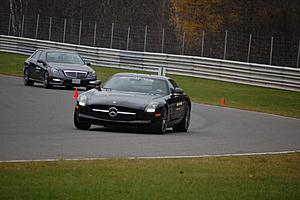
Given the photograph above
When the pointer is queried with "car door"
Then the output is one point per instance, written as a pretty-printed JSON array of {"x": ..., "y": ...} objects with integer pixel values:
[
  {"x": 176, "y": 102},
  {"x": 41, "y": 67},
  {"x": 172, "y": 101},
  {"x": 33, "y": 67}
]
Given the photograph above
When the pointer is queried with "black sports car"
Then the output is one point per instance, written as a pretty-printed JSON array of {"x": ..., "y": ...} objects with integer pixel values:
[
  {"x": 57, "y": 67},
  {"x": 136, "y": 100}
]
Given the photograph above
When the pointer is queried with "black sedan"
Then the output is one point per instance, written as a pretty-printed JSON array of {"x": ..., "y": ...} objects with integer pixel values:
[
  {"x": 135, "y": 100},
  {"x": 57, "y": 67}
]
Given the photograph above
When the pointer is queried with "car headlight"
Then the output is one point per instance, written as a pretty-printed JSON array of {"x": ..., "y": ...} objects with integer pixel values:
[
  {"x": 151, "y": 107},
  {"x": 92, "y": 74},
  {"x": 82, "y": 99},
  {"x": 54, "y": 71}
]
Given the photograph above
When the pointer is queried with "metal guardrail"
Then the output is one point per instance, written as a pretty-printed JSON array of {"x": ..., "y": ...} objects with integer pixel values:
[{"x": 216, "y": 69}]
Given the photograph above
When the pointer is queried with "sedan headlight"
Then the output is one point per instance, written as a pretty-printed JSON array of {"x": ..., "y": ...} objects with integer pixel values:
[
  {"x": 151, "y": 107},
  {"x": 54, "y": 71},
  {"x": 82, "y": 99},
  {"x": 92, "y": 74}
]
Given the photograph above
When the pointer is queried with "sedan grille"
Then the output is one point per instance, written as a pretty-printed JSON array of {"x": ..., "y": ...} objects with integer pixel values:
[{"x": 75, "y": 74}]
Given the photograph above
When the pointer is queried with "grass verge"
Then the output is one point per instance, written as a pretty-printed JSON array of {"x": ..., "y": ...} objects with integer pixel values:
[
  {"x": 246, "y": 97},
  {"x": 243, "y": 177}
]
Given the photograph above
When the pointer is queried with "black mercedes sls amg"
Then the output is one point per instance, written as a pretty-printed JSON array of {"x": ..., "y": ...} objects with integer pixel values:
[
  {"x": 57, "y": 67},
  {"x": 135, "y": 100}
]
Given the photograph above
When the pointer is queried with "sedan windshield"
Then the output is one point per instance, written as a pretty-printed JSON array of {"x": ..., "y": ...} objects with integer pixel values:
[
  {"x": 137, "y": 84},
  {"x": 67, "y": 58}
]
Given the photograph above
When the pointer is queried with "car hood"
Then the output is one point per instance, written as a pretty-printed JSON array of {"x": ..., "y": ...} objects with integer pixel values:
[
  {"x": 120, "y": 98},
  {"x": 75, "y": 67}
]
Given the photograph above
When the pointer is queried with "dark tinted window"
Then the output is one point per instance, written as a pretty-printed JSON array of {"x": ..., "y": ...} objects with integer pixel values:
[
  {"x": 42, "y": 56},
  {"x": 173, "y": 83},
  {"x": 137, "y": 84},
  {"x": 36, "y": 55},
  {"x": 63, "y": 57}
]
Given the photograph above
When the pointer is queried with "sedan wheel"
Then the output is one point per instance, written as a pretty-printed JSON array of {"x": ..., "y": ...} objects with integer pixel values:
[
  {"x": 46, "y": 81},
  {"x": 27, "y": 81},
  {"x": 83, "y": 125},
  {"x": 162, "y": 126},
  {"x": 183, "y": 126}
]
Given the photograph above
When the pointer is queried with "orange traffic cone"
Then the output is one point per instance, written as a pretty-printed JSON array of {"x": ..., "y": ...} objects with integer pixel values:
[
  {"x": 223, "y": 101},
  {"x": 75, "y": 96}
]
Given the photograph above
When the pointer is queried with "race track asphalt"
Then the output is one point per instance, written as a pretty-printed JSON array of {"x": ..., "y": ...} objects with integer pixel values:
[{"x": 37, "y": 123}]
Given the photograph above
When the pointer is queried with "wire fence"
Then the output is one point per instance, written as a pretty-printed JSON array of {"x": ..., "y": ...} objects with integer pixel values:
[{"x": 229, "y": 45}]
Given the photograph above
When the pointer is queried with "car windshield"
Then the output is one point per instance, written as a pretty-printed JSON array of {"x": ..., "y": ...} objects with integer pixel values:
[
  {"x": 137, "y": 84},
  {"x": 61, "y": 57}
]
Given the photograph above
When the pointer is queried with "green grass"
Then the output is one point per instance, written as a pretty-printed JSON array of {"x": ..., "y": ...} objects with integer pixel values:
[
  {"x": 11, "y": 64},
  {"x": 246, "y": 97},
  {"x": 280, "y": 102},
  {"x": 245, "y": 177}
]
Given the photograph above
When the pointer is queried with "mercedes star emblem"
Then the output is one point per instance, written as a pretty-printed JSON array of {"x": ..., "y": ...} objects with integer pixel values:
[{"x": 112, "y": 112}]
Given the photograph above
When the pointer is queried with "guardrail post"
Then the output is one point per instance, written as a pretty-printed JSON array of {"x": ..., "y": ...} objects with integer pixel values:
[
  {"x": 271, "y": 51},
  {"x": 50, "y": 28},
  {"x": 95, "y": 32},
  {"x": 163, "y": 40},
  {"x": 9, "y": 23},
  {"x": 225, "y": 45},
  {"x": 112, "y": 35},
  {"x": 202, "y": 43},
  {"x": 37, "y": 26},
  {"x": 128, "y": 36},
  {"x": 145, "y": 38},
  {"x": 22, "y": 28},
  {"x": 249, "y": 48},
  {"x": 64, "y": 35},
  {"x": 162, "y": 71},
  {"x": 298, "y": 58},
  {"x": 79, "y": 37},
  {"x": 183, "y": 40}
]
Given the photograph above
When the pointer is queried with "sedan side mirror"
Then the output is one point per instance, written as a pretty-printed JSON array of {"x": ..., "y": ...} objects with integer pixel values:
[
  {"x": 41, "y": 61},
  {"x": 177, "y": 91},
  {"x": 88, "y": 64},
  {"x": 96, "y": 84}
]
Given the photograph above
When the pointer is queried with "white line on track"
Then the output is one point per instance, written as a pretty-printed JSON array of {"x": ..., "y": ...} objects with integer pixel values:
[{"x": 153, "y": 157}]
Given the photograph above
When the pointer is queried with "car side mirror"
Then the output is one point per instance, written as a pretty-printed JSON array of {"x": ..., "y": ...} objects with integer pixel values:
[
  {"x": 88, "y": 64},
  {"x": 41, "y": 61},
  {"x": 177, "y": 91},
  {"x": 97, "y": 84}
]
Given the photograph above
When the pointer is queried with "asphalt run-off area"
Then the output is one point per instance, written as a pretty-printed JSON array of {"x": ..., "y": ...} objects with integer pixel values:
[{"x": 37, "y": 123}]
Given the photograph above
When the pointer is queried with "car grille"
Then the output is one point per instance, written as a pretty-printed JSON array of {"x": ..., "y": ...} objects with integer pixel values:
[
  {"x": 75, "y": 74},
  {"x": 123, "y": 113}
]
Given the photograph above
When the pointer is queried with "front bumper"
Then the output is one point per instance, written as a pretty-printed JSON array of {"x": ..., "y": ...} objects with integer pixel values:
[
  {"x": 143, "y": 120},
  {"x": 85, "y": 82}
]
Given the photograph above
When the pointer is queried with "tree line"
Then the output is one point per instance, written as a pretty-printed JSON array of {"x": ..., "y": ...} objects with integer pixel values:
[
  {"x": 275, "y": 17},
  {"x": 184, "y": 21}
]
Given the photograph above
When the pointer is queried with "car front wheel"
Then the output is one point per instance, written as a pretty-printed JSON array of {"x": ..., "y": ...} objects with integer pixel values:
[
  {"x": 83, "y": 125},
  {"x": 183, "y": 126},
  {"x": 46, "y": 83},
  {"x": 162, "y": 126},
  {"x": 27, "y": 81}
]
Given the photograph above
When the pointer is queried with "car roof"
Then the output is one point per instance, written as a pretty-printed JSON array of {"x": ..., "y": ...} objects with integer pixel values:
[
  {"x": 142, "y": 76},
  {"x": 57, "y": 50}
]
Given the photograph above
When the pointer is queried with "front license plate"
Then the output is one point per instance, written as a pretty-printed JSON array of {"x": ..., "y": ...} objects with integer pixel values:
[{"x": 76, "y": 81}]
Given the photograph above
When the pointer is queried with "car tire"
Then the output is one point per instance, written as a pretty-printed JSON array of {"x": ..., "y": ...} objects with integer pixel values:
[
  {"x": 46, "y": 83},
  {"x": 183, "y": 126},
  {"x": 27, "y": 81},
  {"x": 82, "y": 125},
  {"x": 162, "y": 126}
]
